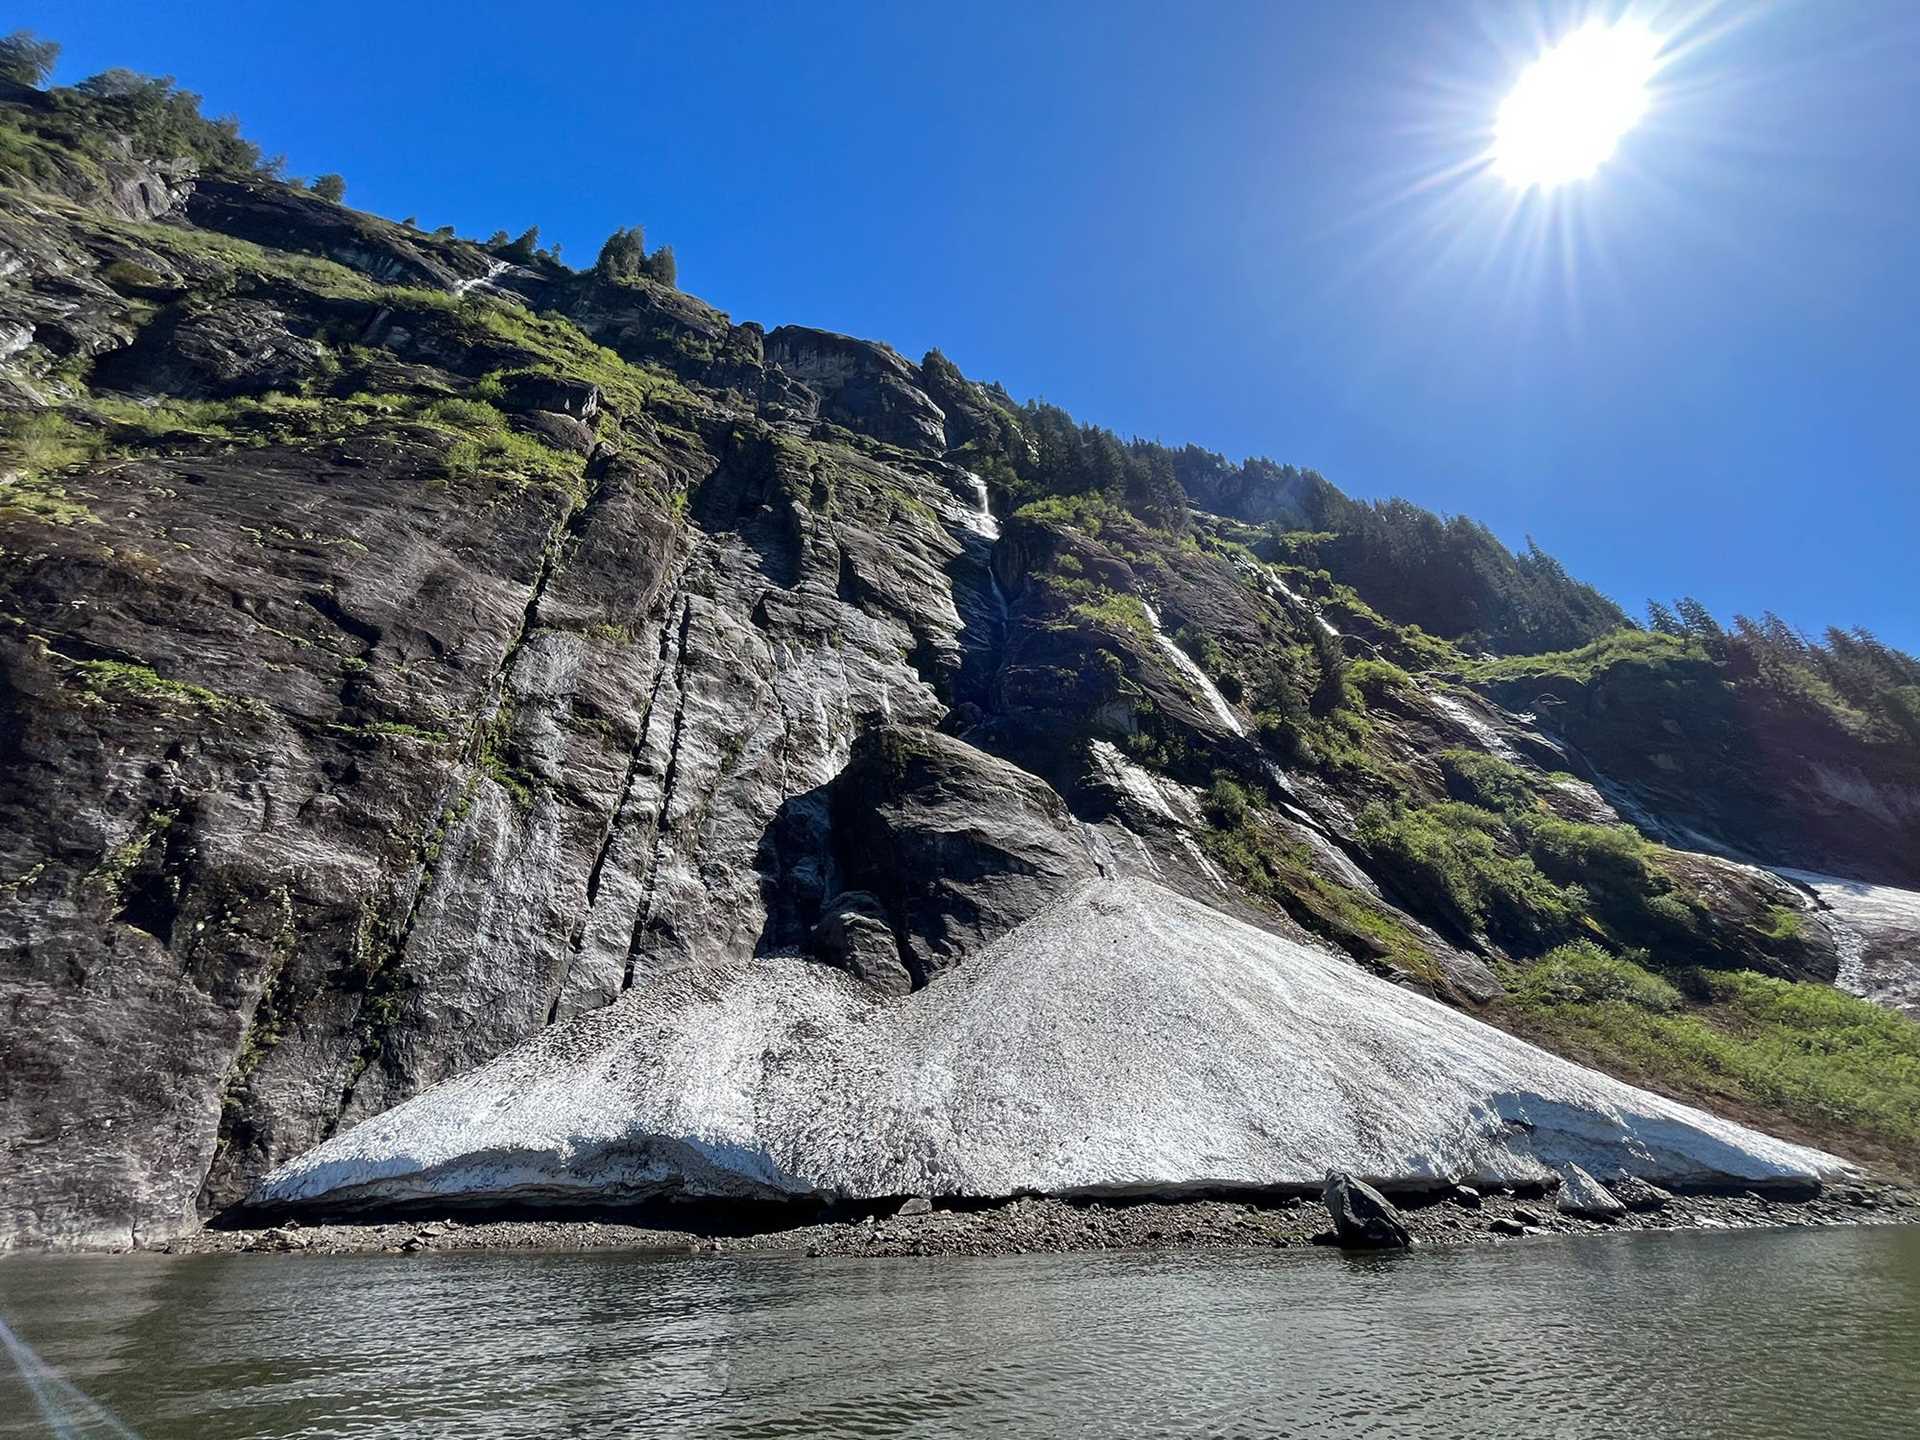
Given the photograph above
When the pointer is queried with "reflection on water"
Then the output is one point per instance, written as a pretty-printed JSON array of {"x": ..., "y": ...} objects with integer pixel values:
[{"x": 1775, "y": 1334}]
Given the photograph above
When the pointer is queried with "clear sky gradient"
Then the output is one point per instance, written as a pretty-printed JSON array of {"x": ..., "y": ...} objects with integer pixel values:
[{"x": 1255, "y": 226}]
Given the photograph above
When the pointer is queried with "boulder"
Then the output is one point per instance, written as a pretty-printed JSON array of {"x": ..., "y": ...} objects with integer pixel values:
[
  {"x": 855, "y": 935},
  {"x": 1581, "y": 1194},
  {"x": 1505, "y": 1225},
  {"x": 1466, "y": 1197},
  {"x": 1639, "y": 1195},
  {"x": 1363, "y": 1218}
]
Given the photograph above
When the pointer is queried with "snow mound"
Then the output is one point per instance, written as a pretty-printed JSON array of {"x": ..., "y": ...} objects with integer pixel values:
[
  {"x": 1878, "y": 929},
  {"x": 1126, "y": 1039}
]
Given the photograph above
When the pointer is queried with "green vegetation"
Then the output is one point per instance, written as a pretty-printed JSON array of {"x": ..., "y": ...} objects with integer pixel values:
[
  {"x": 1850, "y": 680},
  {"x": 1848, "y": 693},
  {"x": 1452, "y": 577},
  {"x": 1459, "y": 862},
  {"x": 624, "y": 260},
  {"x": 1783, "y": 923},
  {"x": 121, "y": 861},
  {"x": 489, "y": 448},
  {"x": 82, "y": 127},
  {"x": 1375, "y": 680},
  {"x": 1115, "y": 612},
  {"x": 1667, "y": 653},
  {"x": 330, "y": 187},
  {"x": 101, "y": 677},
  {"x": 1281, "y": 871},
  {"x": 26, "y": 59},
  {"x": 524, "y": 248},
  {"x": 498, "y": 759},
  {"x": 1488, "y": 781},
  {"x": 1045, "y": 455},
  {"x": 35, "y": 445},
  {"x": 1583, "y": 974},
  {"x": 1807, "y": 1051}
]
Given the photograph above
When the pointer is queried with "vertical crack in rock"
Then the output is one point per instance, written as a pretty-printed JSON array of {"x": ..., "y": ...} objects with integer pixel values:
[
  {"x": 386, "y": 981},
  {"x": 577, "y": 939},
  {"x": 258, "y": 1036},
  {"x": 644, "y": 916}
]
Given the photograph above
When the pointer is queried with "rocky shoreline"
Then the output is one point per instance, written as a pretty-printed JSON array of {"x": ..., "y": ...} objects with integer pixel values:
[{"x": 1042, "y": 1225}]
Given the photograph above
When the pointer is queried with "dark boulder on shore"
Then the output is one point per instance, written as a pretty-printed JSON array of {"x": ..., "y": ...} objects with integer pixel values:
[
  {"x": 1363, "y": 1218},
  {"x": 1639, "y": 1195}
]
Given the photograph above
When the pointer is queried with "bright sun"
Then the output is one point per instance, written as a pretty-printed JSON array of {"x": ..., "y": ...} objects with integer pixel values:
[{"x": 1572, "y": 105}]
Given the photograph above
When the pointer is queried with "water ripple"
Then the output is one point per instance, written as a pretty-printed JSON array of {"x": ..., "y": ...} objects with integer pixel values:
[{"x": 1773, "y": 1334}]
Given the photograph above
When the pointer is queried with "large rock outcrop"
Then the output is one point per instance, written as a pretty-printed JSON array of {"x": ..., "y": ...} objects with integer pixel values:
[
  {"x": 959, "y": 846},
  {"x": 862, "y": 385}
]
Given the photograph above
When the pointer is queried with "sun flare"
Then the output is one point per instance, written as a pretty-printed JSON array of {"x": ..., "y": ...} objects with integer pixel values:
[{"x": 1566, "y": 114}]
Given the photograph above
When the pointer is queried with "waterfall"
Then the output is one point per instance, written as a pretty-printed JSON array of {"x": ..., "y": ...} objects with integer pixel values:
[
  {"x": 982, "y": 521},
  {"x": 482, "y": 282},
  {"x": 1197, "y": 677}
]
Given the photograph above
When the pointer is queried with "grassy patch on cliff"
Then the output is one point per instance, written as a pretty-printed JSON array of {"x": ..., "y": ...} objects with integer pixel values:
[
  {"x": 1460, "y": 861},
  {"x": 565, "y": 351},
  {"x": 1281, "y": 871},
  {"x": 35, "y": 446},
  {"x": 103, "y": 678},
  {"x": 1495, "y": 858},
  {"x": 1635, "y": 647},
  {"x": 1841, "y": 1069}
]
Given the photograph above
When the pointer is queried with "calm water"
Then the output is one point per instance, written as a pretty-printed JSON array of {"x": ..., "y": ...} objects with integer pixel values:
[{"x": 1756, "y": 1334}]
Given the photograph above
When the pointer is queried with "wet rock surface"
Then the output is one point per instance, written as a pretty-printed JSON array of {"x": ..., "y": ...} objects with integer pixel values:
[{"x": 958, "y": 847}]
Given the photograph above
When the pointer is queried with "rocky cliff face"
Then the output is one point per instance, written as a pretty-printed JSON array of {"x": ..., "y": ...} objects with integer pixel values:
[{"x": 404, "y": 652}]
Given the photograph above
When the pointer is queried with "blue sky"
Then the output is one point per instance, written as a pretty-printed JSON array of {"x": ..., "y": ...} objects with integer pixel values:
[{"x": 1255, "y": 226}]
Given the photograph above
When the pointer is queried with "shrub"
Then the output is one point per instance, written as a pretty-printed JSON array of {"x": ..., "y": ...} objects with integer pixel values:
[
  {"x": 523, "y": 249},
  {"x": 1202, "y": 647},
  {"x": 663, "y": 268},
  {"x": 1226, "y": 805},
  {"x": 330, "y": 187},
  {"x": 1375, "y": 679},
  {"x": 1834, "y": 1063},
  {"x": 1487, "y": 781},
  {"x": 1583, "y": 974},
  {"x": 1451, "y": 856},
  {"x": 160, "y": 120}
]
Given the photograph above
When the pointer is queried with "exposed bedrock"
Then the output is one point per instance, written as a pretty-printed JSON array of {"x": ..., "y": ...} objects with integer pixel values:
[
  {"x": 862, "y": 384},
  {"x": 959, "y": 847},
  {"x": 1125, "y": 1040}
]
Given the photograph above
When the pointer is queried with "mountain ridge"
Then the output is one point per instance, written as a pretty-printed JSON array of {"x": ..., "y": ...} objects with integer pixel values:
[{"x": 411, "y": 644}]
